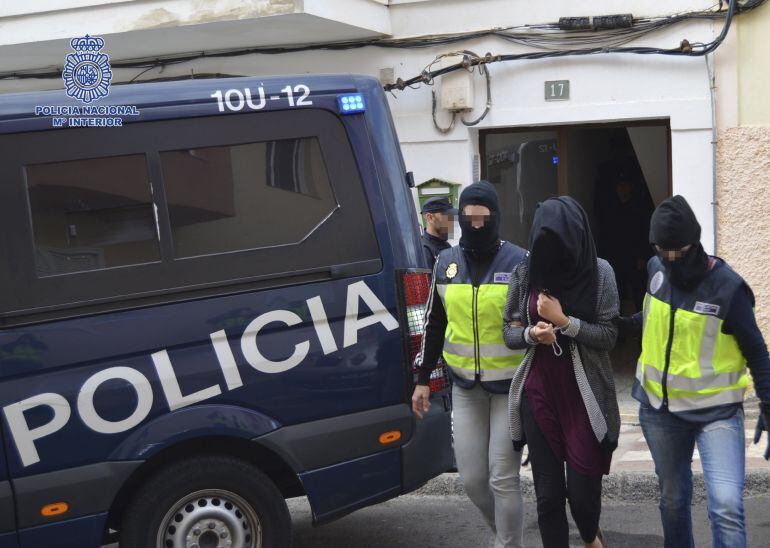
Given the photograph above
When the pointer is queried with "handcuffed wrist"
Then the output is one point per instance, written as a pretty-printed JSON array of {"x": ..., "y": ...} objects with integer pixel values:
[
  {"x": 528, "y": 338},
  {"x": 572, "y": 328}
]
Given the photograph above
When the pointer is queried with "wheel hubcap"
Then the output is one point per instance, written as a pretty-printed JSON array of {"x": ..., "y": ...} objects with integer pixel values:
[{"x": 211, "y": 518}]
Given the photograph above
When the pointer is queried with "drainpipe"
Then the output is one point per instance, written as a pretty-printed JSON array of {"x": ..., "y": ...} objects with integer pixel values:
[{"x": 712, "y": 89}]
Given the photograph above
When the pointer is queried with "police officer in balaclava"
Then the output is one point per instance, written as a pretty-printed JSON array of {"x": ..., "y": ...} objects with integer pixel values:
[
  {"x": 699, "y": 341},
  {"x": 464, "y": 325}
]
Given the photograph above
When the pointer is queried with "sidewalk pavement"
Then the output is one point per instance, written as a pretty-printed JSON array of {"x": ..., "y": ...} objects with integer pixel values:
[
  {"x": 632, "y": 474},
  {"x": 632, "y": 454}
]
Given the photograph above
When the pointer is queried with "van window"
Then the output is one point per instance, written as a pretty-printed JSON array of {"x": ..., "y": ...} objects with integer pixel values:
[
  {"x": 168, "y": 210},
  {"x": 231, "y": 198},
  {"x": 91, "y": 214}
]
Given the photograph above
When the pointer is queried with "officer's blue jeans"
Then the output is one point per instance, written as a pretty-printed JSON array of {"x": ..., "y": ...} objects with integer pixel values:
[{"x": 722, "y": 448}]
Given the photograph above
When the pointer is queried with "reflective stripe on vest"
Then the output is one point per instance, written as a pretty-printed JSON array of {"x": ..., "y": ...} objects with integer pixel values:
[
  {"x": 473, "y": 341},
  {"x": 705, "y": 366}
]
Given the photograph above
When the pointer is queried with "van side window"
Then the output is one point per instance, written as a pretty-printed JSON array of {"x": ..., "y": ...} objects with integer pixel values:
[
  {"x": 294, "y": 165},
  {"x": 92, "y": 214},
  {"x": 180, "y": 208},
  {"x": 248, "y": 196}
]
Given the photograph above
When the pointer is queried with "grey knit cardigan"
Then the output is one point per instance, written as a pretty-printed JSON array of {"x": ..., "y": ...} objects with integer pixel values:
[{"x": 589, "y": 346}]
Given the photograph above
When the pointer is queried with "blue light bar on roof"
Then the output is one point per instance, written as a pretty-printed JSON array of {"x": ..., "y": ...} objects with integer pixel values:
[{"x": 352, "y": 103}]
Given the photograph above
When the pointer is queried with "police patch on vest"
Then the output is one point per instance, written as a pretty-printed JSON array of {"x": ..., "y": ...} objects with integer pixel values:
[
  {"x": 706, "y": 308},
  {"x": 502, "y": 277},
  {"x": 656, "y": 282},
  {"x": 451, "y": 270}
]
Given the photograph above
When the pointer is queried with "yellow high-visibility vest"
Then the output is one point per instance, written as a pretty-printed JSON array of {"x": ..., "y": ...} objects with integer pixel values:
[
  {"x": 687, "y": 362},
  {"x": 473, "y": 341}
]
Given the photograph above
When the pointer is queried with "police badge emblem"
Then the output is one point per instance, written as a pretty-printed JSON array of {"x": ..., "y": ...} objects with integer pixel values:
[
  {"x": 656, "y": 282},
  {"x": 451, "y": 271},
  {"x": 87, "y": 73}
]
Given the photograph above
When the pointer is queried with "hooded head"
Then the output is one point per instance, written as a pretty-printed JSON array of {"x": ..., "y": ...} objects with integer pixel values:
[
  {"x": 673, "y": 228},
  {"x": 562, "y": 256},
  {"x": 673, "y": 224},
  {"x": 480, "y": 237}
]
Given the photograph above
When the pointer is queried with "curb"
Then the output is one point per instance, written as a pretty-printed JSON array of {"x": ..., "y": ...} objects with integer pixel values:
[{"x": 619, "y": 487}]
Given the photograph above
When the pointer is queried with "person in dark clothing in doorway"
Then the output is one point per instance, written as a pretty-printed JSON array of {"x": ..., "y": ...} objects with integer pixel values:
[
  {"x": 623, "y": 210},
  {"x": 462, "y": 323},
  {"x": 439, "y": 216}
]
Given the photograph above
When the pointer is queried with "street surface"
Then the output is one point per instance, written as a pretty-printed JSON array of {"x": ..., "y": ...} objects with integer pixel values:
[{"x": 452, "y": 521}]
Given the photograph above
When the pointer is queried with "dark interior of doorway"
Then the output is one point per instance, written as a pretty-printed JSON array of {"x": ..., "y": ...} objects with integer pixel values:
[{"x": 618, "y": 172}]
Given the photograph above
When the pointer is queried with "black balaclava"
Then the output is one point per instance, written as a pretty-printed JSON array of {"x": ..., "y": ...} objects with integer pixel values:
[
  {"x": 673, "y": 226},
  {"x": 562, "y": 256},
  {"x": 484, "y": 240}
]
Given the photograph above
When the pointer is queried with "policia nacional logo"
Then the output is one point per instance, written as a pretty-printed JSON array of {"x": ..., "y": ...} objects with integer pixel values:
[
  {"x": 87, "y": 73},
  {"x": 451, "y": 271}
]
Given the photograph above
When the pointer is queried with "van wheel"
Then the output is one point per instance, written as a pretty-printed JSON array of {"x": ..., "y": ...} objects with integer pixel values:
[{"x": 207, "y": 502}]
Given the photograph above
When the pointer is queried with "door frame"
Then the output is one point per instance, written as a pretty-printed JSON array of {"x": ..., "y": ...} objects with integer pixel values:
[{"x": 561, "y": 143}]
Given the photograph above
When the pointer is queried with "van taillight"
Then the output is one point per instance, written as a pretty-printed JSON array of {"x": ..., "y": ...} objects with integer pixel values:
[{"x": 415, "y": 290}]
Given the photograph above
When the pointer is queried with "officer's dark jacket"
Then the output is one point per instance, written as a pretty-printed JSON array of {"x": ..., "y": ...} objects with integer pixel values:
[{"x": 432, "y": 246}]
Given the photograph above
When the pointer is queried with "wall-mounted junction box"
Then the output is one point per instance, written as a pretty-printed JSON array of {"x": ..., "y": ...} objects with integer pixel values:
[{"x": 456, "y": 87}]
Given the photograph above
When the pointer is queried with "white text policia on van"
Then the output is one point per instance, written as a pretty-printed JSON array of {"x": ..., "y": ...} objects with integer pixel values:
[{"x": 24, "y": 437}]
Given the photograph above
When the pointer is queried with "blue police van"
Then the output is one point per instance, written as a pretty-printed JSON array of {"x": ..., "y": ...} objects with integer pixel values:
[{"x": 204, "y": 311}]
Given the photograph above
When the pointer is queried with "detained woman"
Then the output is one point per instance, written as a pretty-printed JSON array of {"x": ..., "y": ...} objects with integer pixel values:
[{"x": 562, "y": 403}]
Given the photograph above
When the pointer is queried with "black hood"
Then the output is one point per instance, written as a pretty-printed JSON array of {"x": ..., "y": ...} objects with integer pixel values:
[
  {"x": 673, "y": 226},
  {"x": 562, "y": 256},
  {"x": 484, "y": 240}
]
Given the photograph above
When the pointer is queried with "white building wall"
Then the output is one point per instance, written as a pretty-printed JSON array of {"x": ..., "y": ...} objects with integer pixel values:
[
  {"x": 413, "y": 18},
  {"x": 604, "y": 88}
]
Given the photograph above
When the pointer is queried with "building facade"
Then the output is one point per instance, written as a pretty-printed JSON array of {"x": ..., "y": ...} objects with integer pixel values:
[
  {"x": 643, "y": 118},
  {"x": 743, "y": 161}
]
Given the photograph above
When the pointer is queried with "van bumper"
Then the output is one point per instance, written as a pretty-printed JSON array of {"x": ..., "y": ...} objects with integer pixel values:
[{"x": 429, "y": 452}]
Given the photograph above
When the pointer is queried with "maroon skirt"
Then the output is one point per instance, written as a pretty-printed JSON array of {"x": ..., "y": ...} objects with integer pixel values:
[{"x": 558, "y": 407}]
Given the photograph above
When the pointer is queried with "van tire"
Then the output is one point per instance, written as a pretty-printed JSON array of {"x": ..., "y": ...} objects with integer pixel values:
[{"x": 217, "y": 492}]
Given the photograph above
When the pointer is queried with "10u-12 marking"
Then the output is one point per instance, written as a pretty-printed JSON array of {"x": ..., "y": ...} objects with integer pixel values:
[{"x": 236, "y": 100}]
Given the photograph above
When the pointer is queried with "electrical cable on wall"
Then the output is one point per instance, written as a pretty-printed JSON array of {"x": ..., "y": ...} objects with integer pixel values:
[
  {"x": 569, "y": 36},
  {"x": 685, "y": 49},
  {"x": 483, "y": 70},
  {"x": 451, "y": 125}
]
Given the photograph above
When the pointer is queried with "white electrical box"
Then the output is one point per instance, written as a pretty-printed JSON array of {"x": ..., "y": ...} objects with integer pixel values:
[
  {"x": 387, "y": 76},
  {"x": 456, "y": 87}
]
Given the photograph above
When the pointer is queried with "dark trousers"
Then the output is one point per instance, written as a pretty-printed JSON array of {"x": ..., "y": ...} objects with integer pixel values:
[{"x": 553, "y": 490}]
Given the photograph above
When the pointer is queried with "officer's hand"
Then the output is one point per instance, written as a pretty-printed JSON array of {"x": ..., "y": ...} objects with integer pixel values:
[
  {"x": 420, "y": 400},
  {"x": 762, "y": 425},
  {"x": 625, "y": 324},
  {"x": 628, "y": 326}
]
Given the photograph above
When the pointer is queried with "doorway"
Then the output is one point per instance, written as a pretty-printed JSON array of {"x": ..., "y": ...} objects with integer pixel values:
[{"x": 618, "y": 172}]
